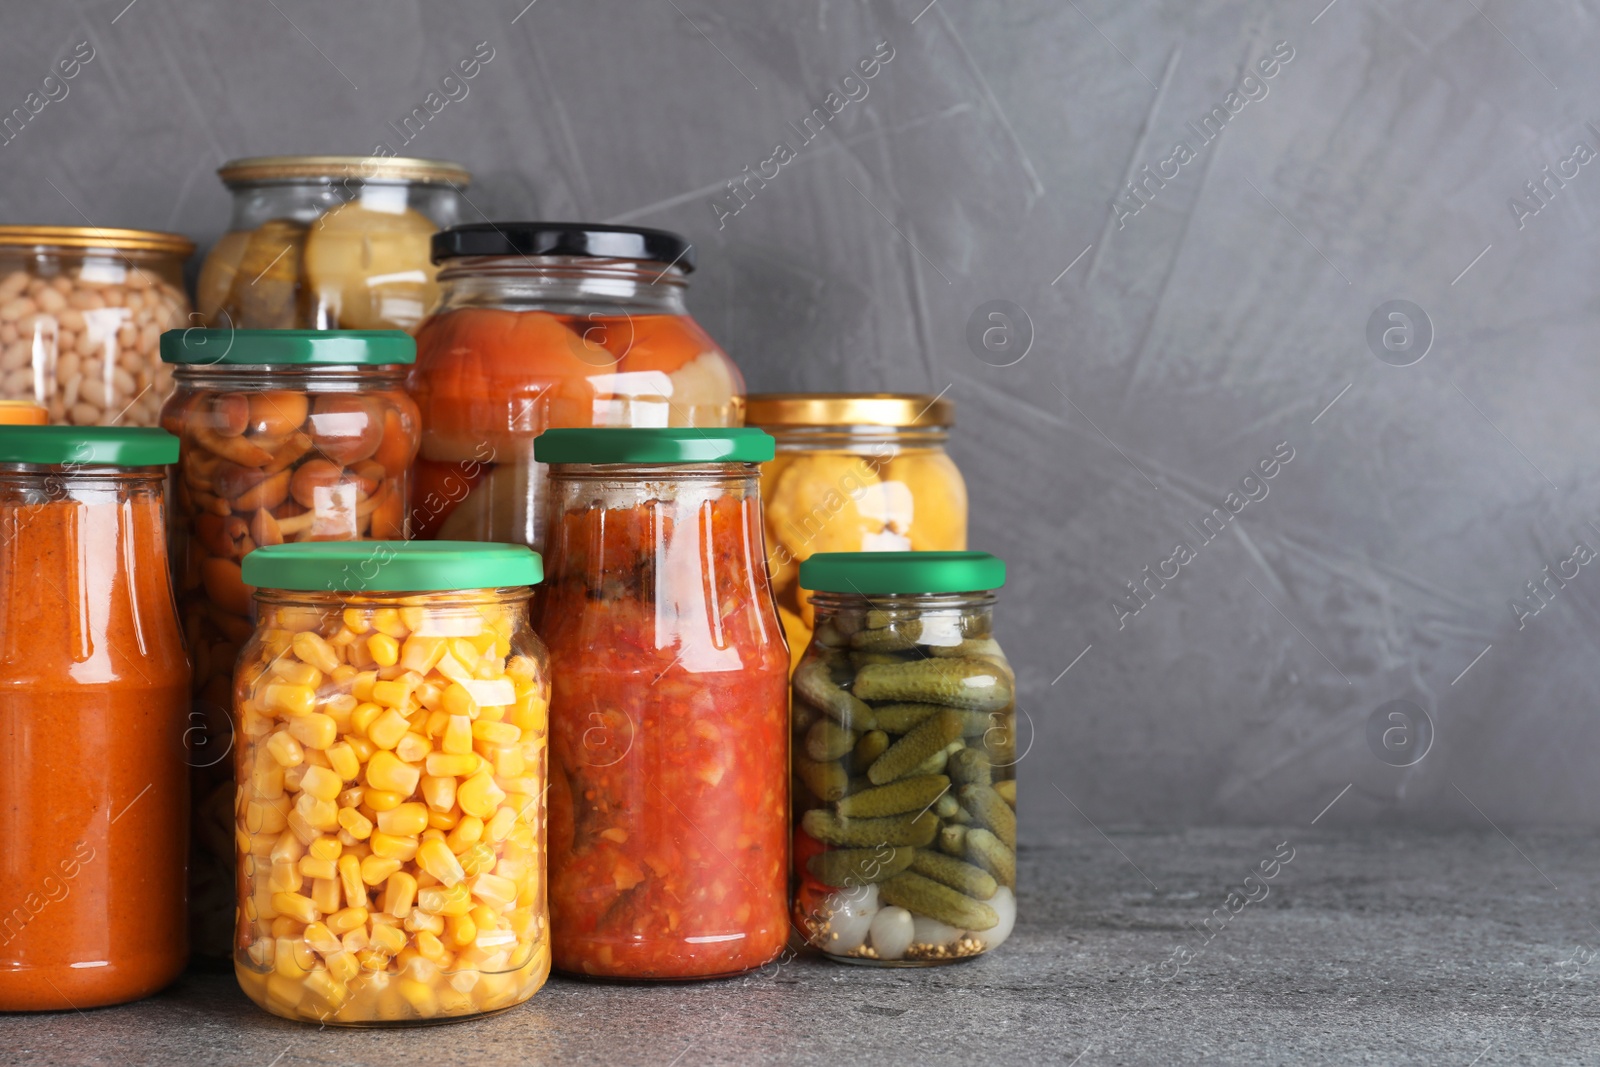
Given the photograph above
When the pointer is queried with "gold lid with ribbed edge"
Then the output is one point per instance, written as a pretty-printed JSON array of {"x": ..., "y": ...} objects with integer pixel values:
[
  {"x": 365, "y": 168},
  {"x": 95, "y": 237},
  {"x": 773, "y": 410}
]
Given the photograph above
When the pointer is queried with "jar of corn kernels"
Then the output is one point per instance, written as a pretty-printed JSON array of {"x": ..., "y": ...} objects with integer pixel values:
[{"x": 390, "y": 767}]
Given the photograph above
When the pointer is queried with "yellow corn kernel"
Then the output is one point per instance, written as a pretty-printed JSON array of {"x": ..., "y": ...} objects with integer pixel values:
[
  {"x": 496, "y": 733},
  {"x": 455, "y": 900},
  {"x": 266, "y": 816},
  {"x": 326, "y": 848},
  {"x": 365, "y": 715},
  {"x": 321, "y": 939},
  {"x": 501, "y": 824},
  {"x": 385, "y": 649},
  {"x": 288, "y": 700},
  {"x": 391, "y": 847},
  {"x": 285, "y": 877},
  {"x": 457, "y": 736},
  {"x": 345, "y": 920},
  {"x": 430, "y": 947},
  {"x": 443, "y": 820},
  {"x": 342, "y": 966},
  {"x": 413, "y": 616},
  {"x": 342, "y": 758},
  {"x": 357, "y": 824},
  {"x": 413, "y": 748},
  {"x": 465, "y": 835},
  {"x": 509, "y": 761},
  {"x": 377, "y": 869},
  {"x": 399, "y": 893},
  {"x": 440, "y": 793},
  {"x": 460, "y": 931},
  {"x": 286, "y": 848},
  {"x": 312, "y": 867},
  {"x": 310, "y": 647},
  {"x": 485, "y": 917},
  {"x": 477, "y": 859},
  {"x": 325, "y": 895},
  {"x": 325, "y": 990},
  {"x": 531, "y": 710},
  {"x": 494, "y": 890},
  {"x": 387, "y": 729},
  {"x": 343, "y": 674},
  {"x": 447, "y": 765},
  {"x": 296, "y": 673},
  {"x": 292, "y": 776},
  {"x": 318, "y": 813},
  {"x": 419, "y": 995},
  {"x": 283, "y": 926},
  {"x": 407, "y": 820},
  {"x": 421, "y": 653},
  {"x": 479, "y": 795},
  {"x": 266, "y": 778},
  {"x": 356, "y": 940},
  {"x": 436, "y": 858},
  {"x": 315, "y": 730},
  {"x": 388, "y": 621},
  {"x": 385, "y": 771},
  {"x": 457, "y": 701},
  {"x": 297, "y": 906},
  {"x": 361, "y": 747},
  {"x": 383, "y": 800},
  {"x": 361, "y": 685},
  {"x": 321, "y": 783},
  {"x": 355, "y": 890},
  {"x": 285, "y": 749},
  {"x": 390, "y": 939},
  {"x": 293, "y": 958},
  {"x": 355, "y": 620}
]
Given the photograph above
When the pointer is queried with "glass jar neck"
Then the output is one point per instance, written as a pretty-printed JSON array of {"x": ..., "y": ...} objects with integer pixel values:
[
  {"x": 333, "y": 600},
  {"x": 655, "y": 473},
  {"x": 886, "y": 440},
  {"x": 231, "y": 377},
  {"x": 30, "y": 484},
  {"x": 304, "y": 200},
  {"x": 562, "y": 284},
  {"x": 910, "y": 605}
]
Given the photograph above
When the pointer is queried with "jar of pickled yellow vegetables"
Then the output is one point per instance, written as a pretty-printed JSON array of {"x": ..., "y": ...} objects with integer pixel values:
[
  {"x": 854, "y": 472},
  {"x": 391, "y": 714}
]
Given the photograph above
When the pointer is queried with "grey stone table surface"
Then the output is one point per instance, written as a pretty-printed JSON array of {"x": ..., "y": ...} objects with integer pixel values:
[{"x": 1336, "y": 946}]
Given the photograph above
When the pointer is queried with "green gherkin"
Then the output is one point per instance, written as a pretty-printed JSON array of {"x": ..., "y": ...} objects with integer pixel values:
[{"x": 971, "y": 684}]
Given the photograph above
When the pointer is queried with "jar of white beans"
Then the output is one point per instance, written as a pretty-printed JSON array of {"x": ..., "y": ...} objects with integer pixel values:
[{"x": 81, "y": 315}]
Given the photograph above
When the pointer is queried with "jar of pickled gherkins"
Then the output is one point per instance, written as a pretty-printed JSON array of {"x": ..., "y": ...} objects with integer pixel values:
[
  {"x": 669, "y": 714},
  {"x": 854, "y": 472},
  {"x": 81, "y": 315},
  {"x": 287, "y": 435},
  {"x": 94, "y": 690},
  {"x": 389, "y": 813},
  {"x": 551, "y": 324},
  {"x": 329, "y": 242},
  {"x": 904, "y": 761}
]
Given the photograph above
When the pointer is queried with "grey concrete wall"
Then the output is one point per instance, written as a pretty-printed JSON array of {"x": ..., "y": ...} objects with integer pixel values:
[{"x": 1173, "y": 348}]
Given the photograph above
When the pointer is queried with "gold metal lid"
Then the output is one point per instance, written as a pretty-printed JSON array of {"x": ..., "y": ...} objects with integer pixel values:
[
  {"x": 95, "y": 237},
  {"x": 365, "y": 168},
  {"x": 770, "y": 410}
]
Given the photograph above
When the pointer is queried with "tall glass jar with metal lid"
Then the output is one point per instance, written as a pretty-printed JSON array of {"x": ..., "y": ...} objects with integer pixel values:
[
  {"x": 854, "y": 472},
  {"x": 551, "y": 324},
  {"x": 287, "y": 435},
  {"x": 94, "y": 693},
  {"x": 329, "y": 242},
  {"x": 905, "y": 753},
  {"x": 392, "y": 708},
  {"x": 82, "y": 310},
  {"x": 669, "y": 711}
]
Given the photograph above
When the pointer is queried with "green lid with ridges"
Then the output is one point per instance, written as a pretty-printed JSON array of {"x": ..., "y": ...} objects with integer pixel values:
[
  {"x": 392, "y": 566},
  {"x": 200, "y": 347},
  {"x": 106, "y": 446},
  {"x": 892, "y": 573},
  {"x": 738, "y": 444}
]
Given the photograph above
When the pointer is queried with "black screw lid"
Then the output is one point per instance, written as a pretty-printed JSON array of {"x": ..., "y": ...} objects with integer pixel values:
[{"x": 563, "y": 239}]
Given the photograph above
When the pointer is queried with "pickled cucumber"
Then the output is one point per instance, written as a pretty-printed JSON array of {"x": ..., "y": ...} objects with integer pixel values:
[
  {"x": 1008, "y": 791},
  {"x": 914, "y": 830},
  {"x": 946, "y": 806},
  {"x": 936, "y": 763},
  {"x": 900, "y": 718},
  {"x": 926, "y": 741},
  {"x": 923, "y": 896},
  {"x": 829, "y": 636},
  {"x": 967, "y": 767},
  {"x": 972, "y": 648},
  {"x": 958, "y": 874},
  {"x": 802, "y": 715},
  {"x": 814, "y": 683},
  {"x": 990, "y": 811},
  {"x": 859, "y": 659},
  {"x": 827, "y": 780},
  {"x": 859, "y": 866},
  {"x": 827, "y": 740},
  {"x": 971, "y": 684},
  {"x": 990, "y": 853},
  {"x": 907, "y": 794},
  {"x": 953, "y": 840},
  {"x": 873, "y": 744},
  {"x": 902, "y": 638}
]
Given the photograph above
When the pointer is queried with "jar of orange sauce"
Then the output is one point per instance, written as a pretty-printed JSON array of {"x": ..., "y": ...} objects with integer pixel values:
[{"x": 94, "y": 697}]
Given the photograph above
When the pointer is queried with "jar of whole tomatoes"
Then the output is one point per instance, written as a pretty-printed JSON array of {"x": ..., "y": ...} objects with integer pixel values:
[
  {"x": 329, "y": 242},
  {"x": 94, "y": 690},
  {"x": 669, "y": 712},
  {"x": 81, "y": 315},
  {"x": 287, "y": 435},
  {"x": 551, "y": 324},
  {"x": 904, "y": 760},
  {"x": 392, "y": 708},
  {"x": 854, "y": 472}
]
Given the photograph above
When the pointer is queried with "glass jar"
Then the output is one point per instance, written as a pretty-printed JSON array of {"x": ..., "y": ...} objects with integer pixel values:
[
  {"x": 546, "y": 325},
  {"x": 854, "y": 472},
  {"x": 287, "y": 435},
  {"x": 392, "y": 708},
  {"x": 669, "y": 781},
  {"x": 22, "y": 413},
  {"x": 94, "y": 691},
  {"x": 329, "y": 242},
  {"x": 904, "y": 761},
  {"x": 81, "y": 315}
]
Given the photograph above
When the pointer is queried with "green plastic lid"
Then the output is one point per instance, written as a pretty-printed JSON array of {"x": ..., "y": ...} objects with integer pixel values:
[
  {"x": 392, "y": 566},
  {"x": 691, "y": 444},
  {"x": 889, "y": 573},
  {"x": 197, "y": 347},
  {"x": 110, "y": 446}
]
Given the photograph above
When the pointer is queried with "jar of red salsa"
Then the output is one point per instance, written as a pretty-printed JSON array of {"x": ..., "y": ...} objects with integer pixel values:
[
  {"x": 551, "y": 324},
  {"x": 669, "y": 712}
]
